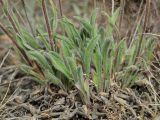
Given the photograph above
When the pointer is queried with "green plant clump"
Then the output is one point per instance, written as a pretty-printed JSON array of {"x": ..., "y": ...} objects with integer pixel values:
[{"x": 79, "y": 57}]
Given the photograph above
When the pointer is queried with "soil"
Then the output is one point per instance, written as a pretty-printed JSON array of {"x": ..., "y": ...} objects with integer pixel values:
[{"x": 27, "y": 100}]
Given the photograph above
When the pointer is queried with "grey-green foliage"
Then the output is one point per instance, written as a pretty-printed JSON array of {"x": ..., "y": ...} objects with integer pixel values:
[{"x": 86, "y": 53}]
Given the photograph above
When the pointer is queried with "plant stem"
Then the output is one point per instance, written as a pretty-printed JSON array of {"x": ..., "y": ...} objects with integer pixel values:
[
  {"x": 122, "y": 5},
  {"x": 136, "y": 25},
  {"x": 25, "y": 11},
  {"x": 60, "y": 8},
  {"x": 19, "y": 16},
  {"x": 47, "y": 24},
  {"x": 146, "y": 20},
  {"x": 15, "y": 43},
  {"x": 12, "y": 22}
]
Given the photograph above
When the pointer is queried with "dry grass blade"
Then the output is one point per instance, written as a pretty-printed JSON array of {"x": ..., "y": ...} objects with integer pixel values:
[
  {"x": 146, "y": 20},
  {"x": 11, "y": 78},
  {"x": 5, "y": 57}
]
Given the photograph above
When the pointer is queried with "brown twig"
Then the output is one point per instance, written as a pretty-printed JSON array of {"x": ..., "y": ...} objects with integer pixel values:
[
  {"x": 25, "y": 11},
  {"x": 60, "y": 8},
  {"x": 47, "y": 24},
  {"x": 12, "y": 22},
  {"x": 23, "y": 53}
]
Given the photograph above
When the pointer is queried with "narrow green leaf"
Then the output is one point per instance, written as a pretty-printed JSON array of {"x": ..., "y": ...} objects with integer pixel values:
[
  {"x": 97, "y": 59},
  {"x": 88, "y": 53},
  {"x": 121, "y": 53},
  {"x": 40, "y": 59},
  {"x": 58, "y": 63},
  {"x": 51, "y": 77}
]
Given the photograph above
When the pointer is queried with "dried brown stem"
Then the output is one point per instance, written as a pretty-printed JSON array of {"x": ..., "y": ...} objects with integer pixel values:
[
  {"x": 47, "y": 24},
  {"x": 146, "y": 20},
  {"x": 130, "y": 39},
  {"x": 60, "y": 8},
  {"x": 12, "y": 22},
  {"x": 23, "y": 53},
  {"x": 24, "y": 6}
]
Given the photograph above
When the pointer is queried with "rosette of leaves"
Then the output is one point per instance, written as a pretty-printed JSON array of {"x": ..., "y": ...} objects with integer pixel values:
[{"x": 78, "y": 55}]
